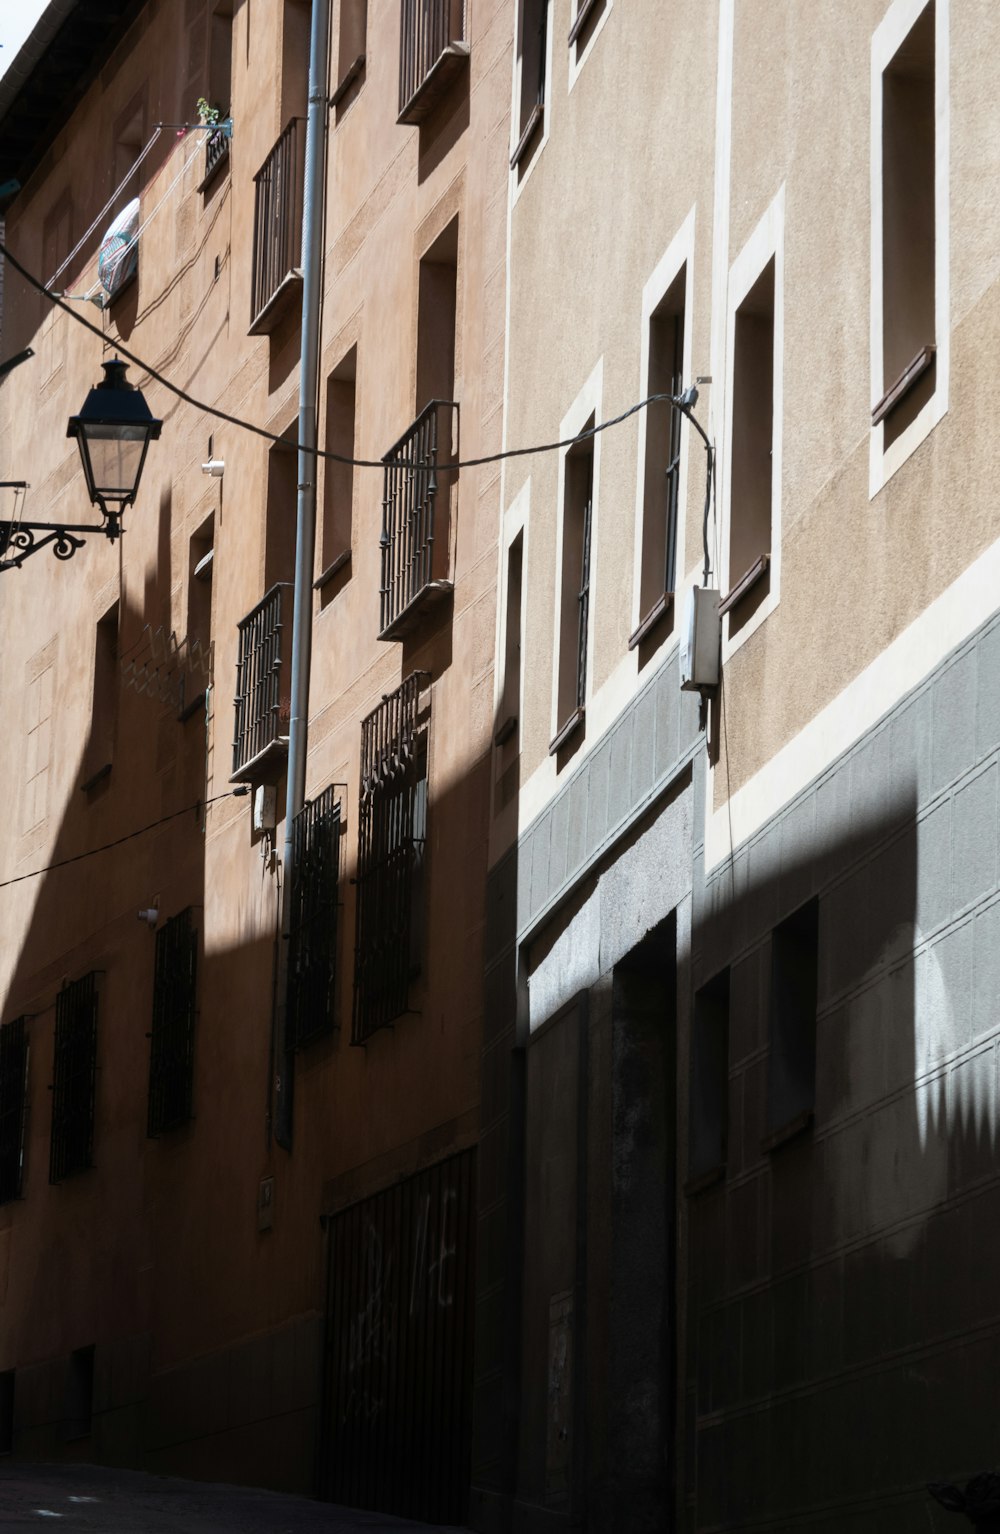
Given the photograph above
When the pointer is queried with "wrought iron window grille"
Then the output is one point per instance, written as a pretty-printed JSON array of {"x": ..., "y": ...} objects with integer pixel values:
[
  {"x": 277, "y": 228},
  {"x": 13, "y": 1106},
  {"x": 261, "y": 723},
  {"x": 74, "y": 1083},
  {"x": 392, "y": 831},
  {"x": 171, "y": 1048},
  {"x": 312, "y": 937},
  {"x": 432, "y": 52},
  {"x": 415, "y": 534}
]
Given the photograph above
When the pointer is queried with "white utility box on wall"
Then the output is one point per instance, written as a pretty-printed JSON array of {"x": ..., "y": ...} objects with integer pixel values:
[{"x": 701, "y": 640}]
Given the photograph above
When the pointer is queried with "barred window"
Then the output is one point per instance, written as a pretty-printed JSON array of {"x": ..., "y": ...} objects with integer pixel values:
[
  {"x": 312, "y": 949},
  {"x": 392, "y": 830},
  {"x": 171, "y": 1049},
  {"x": 13, "y": 1103},
  {"x": 74, "y": 1081}
]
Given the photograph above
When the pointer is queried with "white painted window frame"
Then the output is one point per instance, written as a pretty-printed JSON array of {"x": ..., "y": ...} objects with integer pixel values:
[
  {"x": 895, "y": 26},
  {"x": 678, "y": 254},
  {"x": 576, "y": 64},
  {"x": 586, "y": 404},
  {"x": 516, "y": 521},
  {"x": 766, "y": 242},
  {"x": 518, "y": 177}
]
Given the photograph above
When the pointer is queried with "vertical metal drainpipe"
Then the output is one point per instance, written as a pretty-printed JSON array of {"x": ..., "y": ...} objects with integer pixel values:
[{"x": 305, "y": 523}]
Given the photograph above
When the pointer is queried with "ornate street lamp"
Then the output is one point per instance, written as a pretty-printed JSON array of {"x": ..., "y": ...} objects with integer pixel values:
[{"x": 113, "y": 431}]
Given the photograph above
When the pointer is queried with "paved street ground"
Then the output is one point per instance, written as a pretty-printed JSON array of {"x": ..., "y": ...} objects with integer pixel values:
[{"x": 92, "y": 1499}]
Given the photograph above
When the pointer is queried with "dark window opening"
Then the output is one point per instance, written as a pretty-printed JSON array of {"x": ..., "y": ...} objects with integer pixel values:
[
  {"x": 709, "y": 1109},
  {"x": 79, "y": 1405},
  {"x": 74, "y": 1083},
  {"x": 99, "y": 752},
  {"x": 532, "y": 42},
  {"x": 171, "y": 1049},
  {"x": 312, "y": 938},
  {"x": 507, "y": 731},
  {"x": 908, "y": 232},
  {"x": 436, "y": 318},
  {"x": 13, "y": 1106},
  {"x": 198, "y": 657},
  {"x": 392, "y": 832},
  {"x": 7, "y": 1411},
  {"x": 574, "y": 604},
  {"x": 282, "y": 509},
  {"x": 791, "y": 1082},
  {"x": 750, "y": 529},
  {"x": 661, "y": 470},
  {"x": 295, "y": 36},
  {"x": 352, "y": 43},
  {"x": 338, "y": 481},
  {"x": 220, "y": 82},
  {"x": 588, "y": 13}
]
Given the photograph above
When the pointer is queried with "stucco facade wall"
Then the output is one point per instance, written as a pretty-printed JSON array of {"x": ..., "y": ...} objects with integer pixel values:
[{"x": 157, "y": 1252}]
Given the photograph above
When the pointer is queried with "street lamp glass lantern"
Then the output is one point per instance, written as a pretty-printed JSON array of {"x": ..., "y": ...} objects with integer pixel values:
[{"x": 113, "y": 431}]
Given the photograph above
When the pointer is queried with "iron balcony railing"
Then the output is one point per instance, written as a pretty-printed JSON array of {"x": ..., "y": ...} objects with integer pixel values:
[
  {"x": 431, "y": 50},
  {"x": 414, "y": 540},
  {"x": 74, "y": 1079},
  {"x": 261, "y": 696},
  {"x": 216, "y": 150},
  {"x": 312, "y": 938},
  {"x": 277, "y": 224},
  {"x": 392, "y": 829},
  {"x": 171, "y": 1048},
  {"x": 13, "y": 1100}
]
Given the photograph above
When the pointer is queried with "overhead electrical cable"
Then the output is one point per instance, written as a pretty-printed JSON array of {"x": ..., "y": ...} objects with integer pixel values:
[
  {"x": 270, "y": 436},
  {"x": 189, "y": 809}
]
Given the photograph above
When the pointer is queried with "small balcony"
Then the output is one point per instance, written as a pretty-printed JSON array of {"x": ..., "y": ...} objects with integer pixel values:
[
  {"x": 260, "y": 743},
  {"x": 416, "y": 519},
  {"x": 277, "y": 230},
  {"x": 216, "y": 154},
  {"x": 432, "y": 53}
]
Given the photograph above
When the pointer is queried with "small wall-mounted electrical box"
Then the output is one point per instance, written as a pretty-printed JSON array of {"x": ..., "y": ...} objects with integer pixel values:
[
  {"x": 701, "y": 640},
  {"x": 265, "y": 807}
]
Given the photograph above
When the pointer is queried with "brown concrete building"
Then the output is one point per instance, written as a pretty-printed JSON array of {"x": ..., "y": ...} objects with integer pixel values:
[
  {"x": 739, "y": 1075},
  {"x": 178, "y": 1291}
]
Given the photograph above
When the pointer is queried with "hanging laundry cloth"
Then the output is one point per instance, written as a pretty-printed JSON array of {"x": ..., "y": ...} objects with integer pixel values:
[{"x": 118, "y": 257}]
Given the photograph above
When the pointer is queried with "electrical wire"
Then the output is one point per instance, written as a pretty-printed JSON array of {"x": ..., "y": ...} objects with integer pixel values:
[
  {"x": 189, "y": 809},
  {"x": 357, "y": 463}
]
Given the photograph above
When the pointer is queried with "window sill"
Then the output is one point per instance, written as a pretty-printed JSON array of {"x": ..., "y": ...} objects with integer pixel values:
[
  {"x": 266, "y": 767},
  {"x": 331, "y": 570},
  {"x": 192, "y": 708},
  {"x": 446, "y": 68},
  {"x": 405, "y": 622},
  {"x": 789, "y": 1131},
  {"x": 653, "y": 618},
  {"x": 535, "y": 119},
  {"x": 746, "y": 583},
  {"x": 702, "y": 1181},
  {"x": 505, "y": 730},
  {"x": 567, "y": 731},
  {"x": 95, "y": 778},
  {"x": 288, "y": 289},
  {"x": 354, "y": 72},
  {"x": 583, "y": 15},
  {"x": 904, "y": 383}
]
